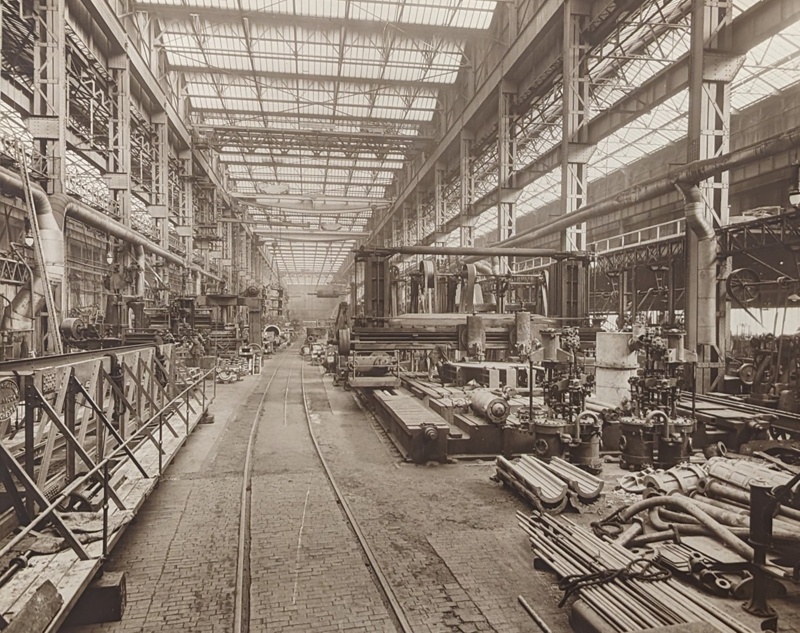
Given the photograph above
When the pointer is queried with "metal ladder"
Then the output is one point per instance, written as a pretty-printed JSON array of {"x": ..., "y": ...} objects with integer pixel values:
[{"x": 52, "y": 316}]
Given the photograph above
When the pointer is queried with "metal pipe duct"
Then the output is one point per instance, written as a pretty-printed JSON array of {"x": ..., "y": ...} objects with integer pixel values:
[
  {"x": 694, "y": 172},
  {"x": 485, "y": 251},
  {"x": 701, "y": 266},
  {"x": 51, "y": 236},
  {"x": 58, "y": 206}
]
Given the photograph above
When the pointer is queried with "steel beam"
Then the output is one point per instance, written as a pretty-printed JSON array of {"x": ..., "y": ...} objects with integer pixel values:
[
  {"x": 575, "y": 149},
  {"x": 408, "y": 30},
  {"x": 462, "y": 251},
  {"x": 189, "y": 71}
]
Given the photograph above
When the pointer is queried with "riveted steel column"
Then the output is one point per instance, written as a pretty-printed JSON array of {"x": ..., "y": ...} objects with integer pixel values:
[
  {"x": 506, "y": 163},
  {"x": 575, "y": 150},
  {"x": 118, "y": 177},
  {"x": 186, "y": 212},
  {"x": 712, "y": 68},
  {"x": 407, "y": 212},
  {"x": 159, "y": 166},
  {"x": 48, "y": 123},
  {"x": 467, "y": 221}
]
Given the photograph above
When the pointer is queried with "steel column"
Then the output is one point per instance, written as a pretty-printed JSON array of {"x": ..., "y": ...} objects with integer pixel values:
[
  {"x": 118, "y": 177},
  {"x": 159, "y": 196},
  {"x": 48, "y": 123},
  {"x": 506, "y": 163},
  {"x": 712, "y": 68},
  {"x": 467, "y": 222},
  {"x": 439, "y": 199},
  {"x": 575, "y": 149}
]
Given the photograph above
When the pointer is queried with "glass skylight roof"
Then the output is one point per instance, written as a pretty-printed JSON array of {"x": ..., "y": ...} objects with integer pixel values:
[{"x": 315, "y": 97}]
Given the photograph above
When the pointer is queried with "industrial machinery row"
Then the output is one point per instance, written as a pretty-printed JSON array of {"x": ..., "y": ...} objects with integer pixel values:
[{"x": 456, "y": 362}]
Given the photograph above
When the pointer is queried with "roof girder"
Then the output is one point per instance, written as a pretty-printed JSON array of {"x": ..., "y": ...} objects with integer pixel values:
[{"x": 416, "y": 31}]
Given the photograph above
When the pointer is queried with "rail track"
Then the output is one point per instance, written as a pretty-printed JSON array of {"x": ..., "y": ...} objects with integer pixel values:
[
  {"x": 784, "y": 422},
  {"x": 242, "y": 592}
]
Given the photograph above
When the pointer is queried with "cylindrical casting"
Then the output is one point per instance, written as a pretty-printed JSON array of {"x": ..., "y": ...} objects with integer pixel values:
[{"x": 489, "y": 406}]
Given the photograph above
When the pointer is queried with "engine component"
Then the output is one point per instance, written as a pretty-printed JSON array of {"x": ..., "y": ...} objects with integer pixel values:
[
  {"x": 476, "y": 337},
  {"x": 636, "y": 443},
  {"x": 489, "y": 405}
]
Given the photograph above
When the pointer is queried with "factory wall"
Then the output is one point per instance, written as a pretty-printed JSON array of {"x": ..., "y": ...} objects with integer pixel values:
[{"x": 306, "y": 306}]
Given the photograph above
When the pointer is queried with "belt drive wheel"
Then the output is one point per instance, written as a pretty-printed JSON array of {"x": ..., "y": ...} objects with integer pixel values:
[
  {"x": 468, "y": 295},
  {"x": 428, "y": 274},
  {"x": 344, "y": 342},
  {"x": 747, "y": 373}
]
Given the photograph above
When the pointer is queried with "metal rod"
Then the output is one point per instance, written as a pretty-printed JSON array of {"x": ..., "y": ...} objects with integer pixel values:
[
  {"x": 534, "y": 616},
  {"x": 481, "y": 251}
]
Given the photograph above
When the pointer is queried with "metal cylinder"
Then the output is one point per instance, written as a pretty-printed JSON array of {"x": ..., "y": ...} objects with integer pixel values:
[
  {"x": 490, "y": 406},
  {"x": 636, "y": 444},
  {"x": 615, "y": 364},
  {"x": 522, "y": 332},
  {"x": 741, "y": 474},
  {"x": 677, "y": 446},
  {"x": 585, "y": 449},
  {"x": 550, "y": 344},
  {"x": 549, "y": 439},
  {"x": 476, "y": 335}
]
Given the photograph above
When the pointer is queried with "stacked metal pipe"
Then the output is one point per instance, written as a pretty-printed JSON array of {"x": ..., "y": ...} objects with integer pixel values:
[
  {"x": 618, "y": 598},
  {"x": 549, "y": 486}
]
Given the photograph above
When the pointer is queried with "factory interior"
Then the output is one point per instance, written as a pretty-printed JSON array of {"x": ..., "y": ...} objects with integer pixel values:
[{"x": 402, "y": 316}]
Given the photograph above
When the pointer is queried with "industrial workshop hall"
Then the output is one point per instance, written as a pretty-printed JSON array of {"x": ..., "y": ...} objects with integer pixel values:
[{"x": 399, "y": 316}]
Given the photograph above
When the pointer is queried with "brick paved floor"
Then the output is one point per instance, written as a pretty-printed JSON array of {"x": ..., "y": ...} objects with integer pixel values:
[
  {"x": 180, "y": 551},
  {"x": 445, "y": 536}
]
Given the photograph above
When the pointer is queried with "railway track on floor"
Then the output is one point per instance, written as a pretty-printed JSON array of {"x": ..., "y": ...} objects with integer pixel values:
[
  {"x": 242, "y": 595},
  {"x": 783, "y": 421}
]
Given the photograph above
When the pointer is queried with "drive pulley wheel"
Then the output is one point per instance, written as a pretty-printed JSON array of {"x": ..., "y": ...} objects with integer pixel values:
[
  {"x": 344, "y": 342},
  {"x": 428, "y": 271},
  {"x": 747, "y": 373},
  {"x": 743, "y": 285}
]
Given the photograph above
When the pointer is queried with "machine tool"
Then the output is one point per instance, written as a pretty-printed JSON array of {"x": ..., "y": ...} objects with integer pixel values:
[{"x": 654, "y": 432}]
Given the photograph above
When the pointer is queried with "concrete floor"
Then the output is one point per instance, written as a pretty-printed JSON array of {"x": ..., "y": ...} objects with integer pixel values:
[{"x": 445, "y": 536}]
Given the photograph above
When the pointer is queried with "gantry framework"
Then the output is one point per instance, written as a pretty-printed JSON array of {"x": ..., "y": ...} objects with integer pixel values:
[{"x": 305, "y": 128}]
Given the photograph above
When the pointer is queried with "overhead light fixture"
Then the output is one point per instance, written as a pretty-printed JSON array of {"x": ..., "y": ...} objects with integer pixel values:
[
  {"x": 109, "y": 257},
  {"x": 794, "y": 197}
]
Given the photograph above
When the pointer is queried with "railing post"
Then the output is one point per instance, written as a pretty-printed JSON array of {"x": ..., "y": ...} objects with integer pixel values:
[
  {"x": 31, "y": 397},
  {"x": 69, "y": 419},
  {"x": 105, "y": 510},
  {"x": 160, "y": 444}
]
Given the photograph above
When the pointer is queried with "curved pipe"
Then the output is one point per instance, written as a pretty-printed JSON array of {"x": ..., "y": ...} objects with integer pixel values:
[
  {"x": 22, "y": 307},
  {"x": 60, "y": 205},
  {"x": 694, "y": 211},
  {"x": 701, "y": 282},
  {"x": 685, "y": 505}
]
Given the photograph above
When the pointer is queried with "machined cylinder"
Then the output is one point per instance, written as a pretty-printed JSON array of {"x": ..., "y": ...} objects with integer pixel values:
[
  {"x": 550, "y": 344},
  {"x": 476, "y": 335},
  {"x": 522, "y": 330},
  {"x": 489, "y": 405}
]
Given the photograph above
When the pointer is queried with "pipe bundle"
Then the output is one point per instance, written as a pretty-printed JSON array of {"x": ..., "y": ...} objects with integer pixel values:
[
  {"x": 549, "y": 487},
  {"x": 617, "y": 590}
]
